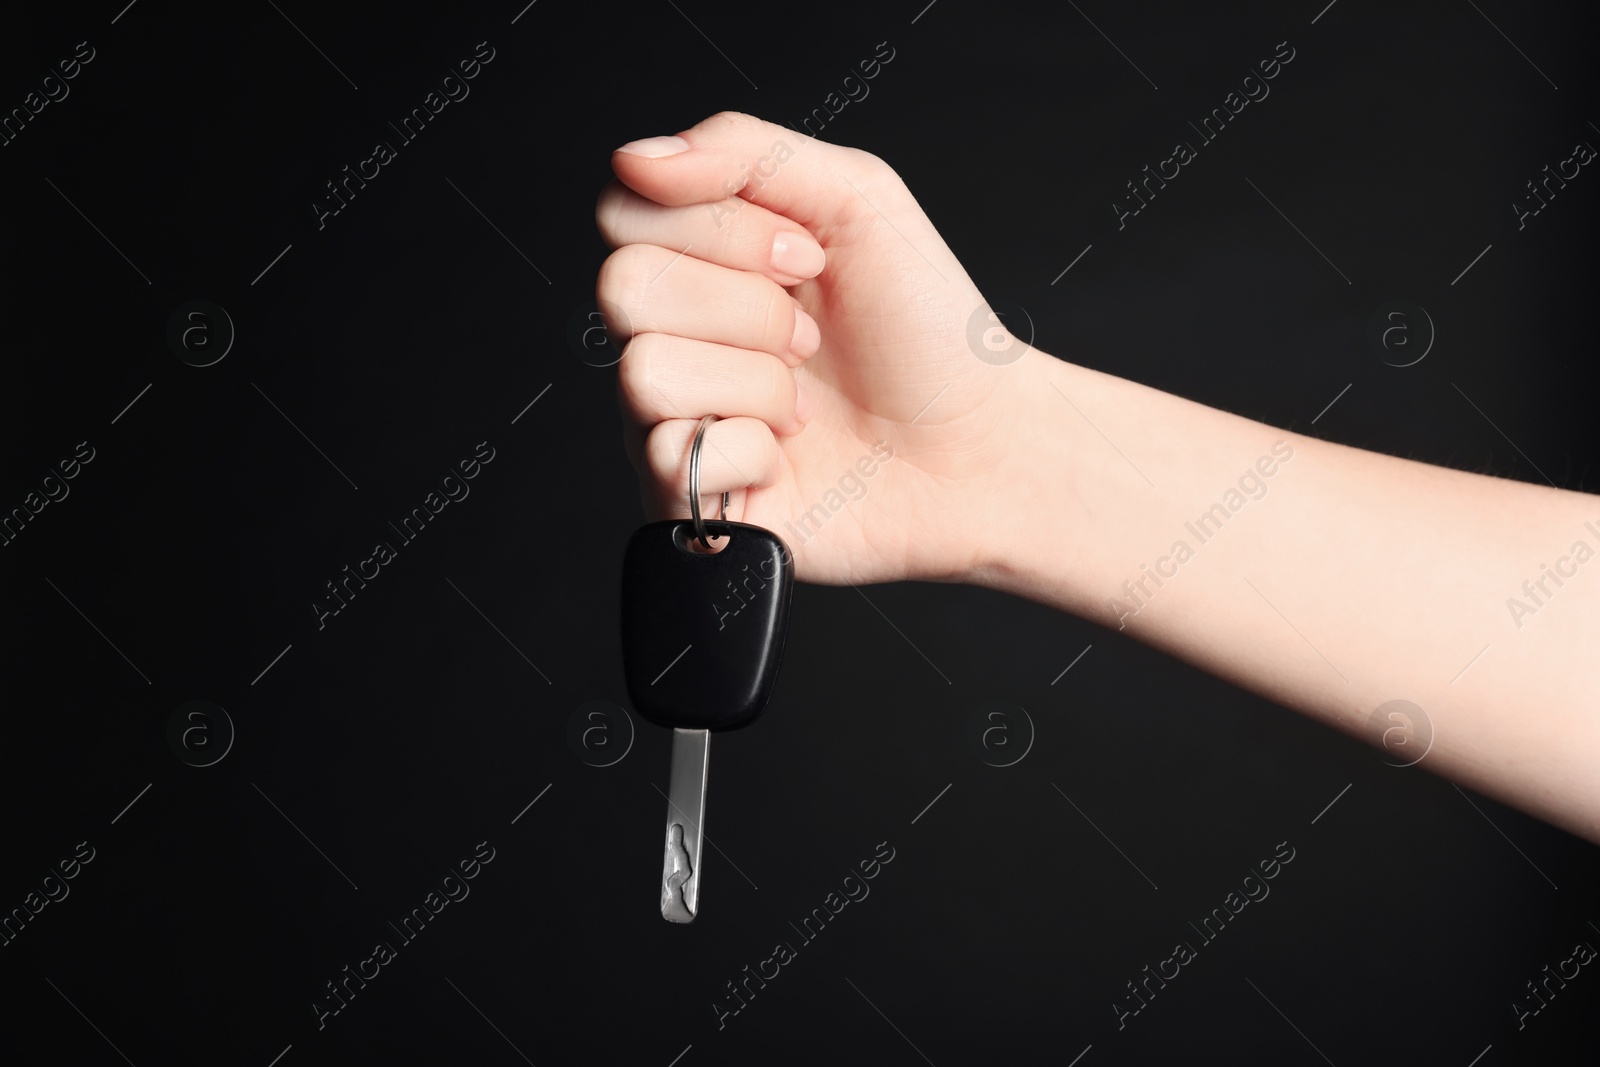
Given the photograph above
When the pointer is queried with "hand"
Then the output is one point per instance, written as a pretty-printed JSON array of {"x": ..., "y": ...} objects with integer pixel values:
[
  {"x": 847, "y": 344},
  {"x": 1008, "y": 475}
]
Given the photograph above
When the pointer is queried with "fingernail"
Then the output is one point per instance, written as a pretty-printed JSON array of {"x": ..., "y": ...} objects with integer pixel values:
[
  {"x": 803, "y": 408},
  {"x": 655, "y": 147},
  {"x": 797, "y": 255},
  {"x": 807, "y": 338}
]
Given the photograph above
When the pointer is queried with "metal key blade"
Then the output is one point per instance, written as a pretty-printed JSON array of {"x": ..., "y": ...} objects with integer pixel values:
[{"x": 686, "y": 814}]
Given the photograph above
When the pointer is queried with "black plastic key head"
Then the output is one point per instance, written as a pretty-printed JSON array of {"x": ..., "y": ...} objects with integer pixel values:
[{"x": 703, "y": 633}]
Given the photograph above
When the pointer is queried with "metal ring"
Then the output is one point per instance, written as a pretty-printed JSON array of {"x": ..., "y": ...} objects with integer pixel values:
[{"x": 694, "y": 484}]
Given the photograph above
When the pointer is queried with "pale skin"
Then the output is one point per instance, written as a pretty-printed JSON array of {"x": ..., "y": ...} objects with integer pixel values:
[{"x": 817, "y": 312}]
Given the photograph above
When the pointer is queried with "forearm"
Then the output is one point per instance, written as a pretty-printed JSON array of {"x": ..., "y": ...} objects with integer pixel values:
[{"x": 1326, "y": 578}]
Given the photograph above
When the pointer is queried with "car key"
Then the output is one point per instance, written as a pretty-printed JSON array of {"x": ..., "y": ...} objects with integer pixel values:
[{"x": 702, "y": 639}]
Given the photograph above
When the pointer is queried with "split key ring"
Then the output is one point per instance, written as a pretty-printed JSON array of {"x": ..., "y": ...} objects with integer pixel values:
[{"x": 694, "y": 485}]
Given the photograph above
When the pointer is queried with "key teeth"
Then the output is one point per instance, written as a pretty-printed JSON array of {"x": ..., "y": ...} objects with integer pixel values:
[{"x": 676, "y": 872}]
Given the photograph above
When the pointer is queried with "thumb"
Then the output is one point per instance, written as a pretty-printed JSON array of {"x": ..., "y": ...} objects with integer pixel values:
[{"x": 812, "y": 182}]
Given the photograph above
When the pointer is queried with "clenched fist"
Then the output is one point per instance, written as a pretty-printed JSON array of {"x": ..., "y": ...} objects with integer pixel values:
[{"x": 796, "y": 290}]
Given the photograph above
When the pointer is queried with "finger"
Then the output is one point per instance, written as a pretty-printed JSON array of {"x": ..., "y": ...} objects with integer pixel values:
[
  {"x": 665, "y": 377},
  {"x": 659, "y": 291},
  {"x": 730, "y": 232},
  {"x": 735, "y": 453},
  {"x": 733, "y": 154}
]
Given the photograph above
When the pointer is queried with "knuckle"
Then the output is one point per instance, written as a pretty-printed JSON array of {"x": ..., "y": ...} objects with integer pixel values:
[
  {"x": 608, "y": 209},
  {"x": 610, "y": 281},
  {"x": 662, "y": 456},
  {"x": 742, "y": 241},
  {"x": 624, "y": 276},
  {"x": 771, "y": 310},
  {"x": 781, "y": 388},
  {"x": 866, "y": 162},
  {"x": 637, "y": 374},
  {"x": 734, "y": 119},
  {"x": 871, "y": 171},
  {"x": 766, "y": 449}
]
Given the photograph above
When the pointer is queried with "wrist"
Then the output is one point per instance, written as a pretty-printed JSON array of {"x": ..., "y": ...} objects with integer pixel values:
[{"x": 1028, "y": 510}]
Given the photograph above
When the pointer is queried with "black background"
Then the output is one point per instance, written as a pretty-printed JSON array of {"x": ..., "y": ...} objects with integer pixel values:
[{"x": 409, "y": 728}]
